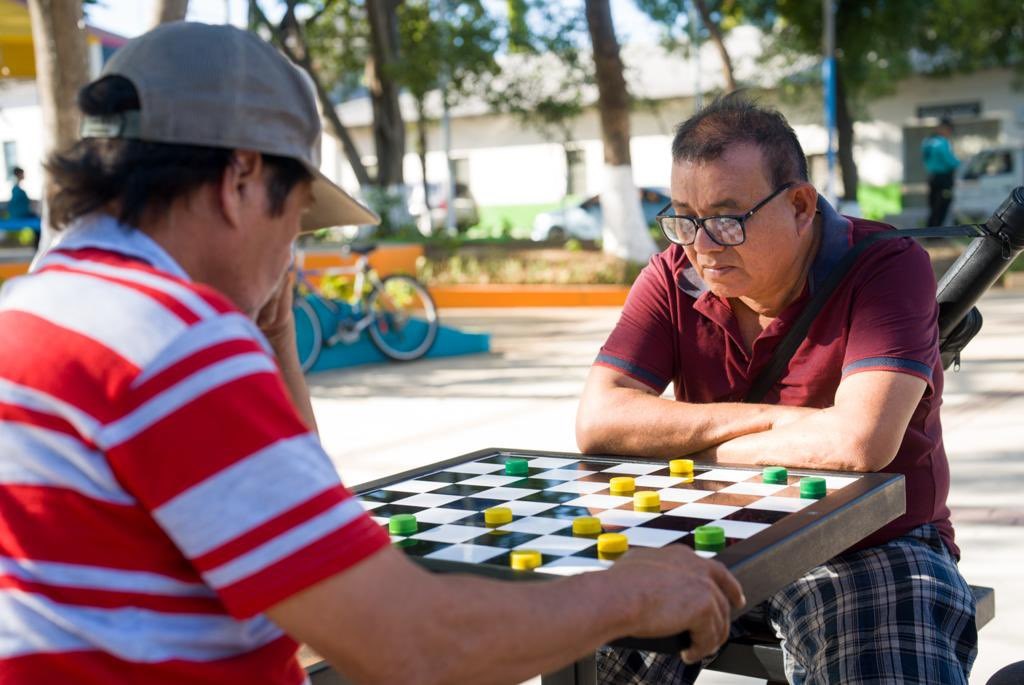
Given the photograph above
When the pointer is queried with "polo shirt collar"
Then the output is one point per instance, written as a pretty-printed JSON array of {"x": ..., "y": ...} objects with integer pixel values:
[
  {"x": 836, "y": 239},
  {"x": 104, "y": 232}
]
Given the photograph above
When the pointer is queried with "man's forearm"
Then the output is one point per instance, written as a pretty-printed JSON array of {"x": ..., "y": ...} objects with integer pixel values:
[
  {"x": 504, "y": 633},
  {"x": 295, "y": 382},
  {"x": 822, "y": 440},
  {"x": 631, "y": 421}
]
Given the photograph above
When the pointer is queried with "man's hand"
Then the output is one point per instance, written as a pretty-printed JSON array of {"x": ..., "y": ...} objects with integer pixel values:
[
  {"x": 275, "y": 318},
  {"x": 675, "y": 591},
  {"x": 277, "y": 321}
]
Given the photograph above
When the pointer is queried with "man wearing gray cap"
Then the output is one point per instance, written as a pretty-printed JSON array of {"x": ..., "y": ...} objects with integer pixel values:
[{"x": 167, "y": 514}]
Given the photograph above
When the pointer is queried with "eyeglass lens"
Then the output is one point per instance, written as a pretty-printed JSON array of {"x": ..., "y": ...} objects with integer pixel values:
[{"x": 723, "y": 230}]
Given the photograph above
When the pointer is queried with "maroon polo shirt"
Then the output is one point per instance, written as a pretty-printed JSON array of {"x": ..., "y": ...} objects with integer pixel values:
[{"x": 881, "y": 317}]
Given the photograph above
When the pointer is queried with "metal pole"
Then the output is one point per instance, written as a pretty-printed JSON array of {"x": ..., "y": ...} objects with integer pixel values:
[
  {"x": 446, "y": 126},
  {"x": 694, "y": 21},
  {"x": 828, "y": 77}
]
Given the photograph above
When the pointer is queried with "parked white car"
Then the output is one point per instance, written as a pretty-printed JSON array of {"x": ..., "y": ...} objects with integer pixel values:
[
  {"x": 466, "y": 211},
  {"x": 985, "y": 180},
  {"x": 583, "y": 221}
]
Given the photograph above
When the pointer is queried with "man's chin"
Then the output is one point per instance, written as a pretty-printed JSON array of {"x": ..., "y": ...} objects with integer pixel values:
[{"x": 725, "y": 286}]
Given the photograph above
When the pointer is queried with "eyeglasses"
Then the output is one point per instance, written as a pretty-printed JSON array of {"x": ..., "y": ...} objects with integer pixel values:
[{"x": 726, "y": 230}]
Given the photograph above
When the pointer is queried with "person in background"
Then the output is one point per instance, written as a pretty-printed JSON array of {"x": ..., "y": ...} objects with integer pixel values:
[
  {"x": 940, "y": 163},
  {"x": 19, "y": 206}
]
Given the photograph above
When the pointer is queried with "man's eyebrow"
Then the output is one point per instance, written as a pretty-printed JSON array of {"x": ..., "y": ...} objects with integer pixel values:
[{"x": 726, "y": 203}]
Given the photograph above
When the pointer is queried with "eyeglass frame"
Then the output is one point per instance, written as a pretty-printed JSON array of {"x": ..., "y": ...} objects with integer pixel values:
[{"x": 741, "y": 219}]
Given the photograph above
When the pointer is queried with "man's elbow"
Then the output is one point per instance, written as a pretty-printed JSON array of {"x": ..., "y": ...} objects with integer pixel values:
[
  {"x": 590, "y": 433},
  {"x": 597, "y": 425},
  {"x": 869, "y": 452}
]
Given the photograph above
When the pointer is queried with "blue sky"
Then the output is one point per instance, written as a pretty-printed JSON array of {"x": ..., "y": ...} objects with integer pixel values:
[{"x": 129, "y": 17}]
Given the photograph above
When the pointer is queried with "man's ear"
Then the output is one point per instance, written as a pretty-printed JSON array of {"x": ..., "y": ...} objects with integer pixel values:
[
  {"x": 236, "y": 196},
  {"x": 805, "y": 204}
]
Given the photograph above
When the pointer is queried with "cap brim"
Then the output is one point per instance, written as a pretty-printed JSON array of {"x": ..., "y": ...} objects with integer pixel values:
[{"x": 332, "y": 206}]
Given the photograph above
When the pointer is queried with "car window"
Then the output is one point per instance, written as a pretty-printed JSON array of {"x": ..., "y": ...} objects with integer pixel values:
[{"x": 989, "y": 163}]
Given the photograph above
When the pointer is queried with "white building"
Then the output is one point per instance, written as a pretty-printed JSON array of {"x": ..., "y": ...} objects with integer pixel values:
[{"x": 505, "y": 163}]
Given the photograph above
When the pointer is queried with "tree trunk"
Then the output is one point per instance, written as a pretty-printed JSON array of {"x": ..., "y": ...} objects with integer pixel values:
[
  {"x": 421, "y": 148},
  {"x": 388, "y": 127},
  {"x": 518, "y": 31},
  {"x": 62, "y": 68},
  {"x": 719, "y": 40},
  {"x": 168, "y": 10},
  {"x": 624, "y": 231},
  {"x": 289, "y": 37},
  {"x": 844, "y": 130}
]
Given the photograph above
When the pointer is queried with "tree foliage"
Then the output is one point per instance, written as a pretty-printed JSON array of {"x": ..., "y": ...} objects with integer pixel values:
[
  {"x": 544, "y": 79},
  {"x": 881, "y": 42},
  {"x": 461, "y": 47}
]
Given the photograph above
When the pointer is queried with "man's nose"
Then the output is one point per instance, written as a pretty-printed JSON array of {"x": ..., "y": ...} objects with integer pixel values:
[{"x": 702, "y": 242}]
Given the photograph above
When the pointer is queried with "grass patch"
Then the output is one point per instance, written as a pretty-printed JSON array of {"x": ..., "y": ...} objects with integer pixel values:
[
  {"x": 481, "y": 265},
  {"x": 512, "y": 221},
  {"x": 876, "y": 202}
]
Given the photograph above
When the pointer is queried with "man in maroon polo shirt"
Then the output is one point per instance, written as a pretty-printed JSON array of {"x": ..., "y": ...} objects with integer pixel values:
[{"x": 752, "y": 240}]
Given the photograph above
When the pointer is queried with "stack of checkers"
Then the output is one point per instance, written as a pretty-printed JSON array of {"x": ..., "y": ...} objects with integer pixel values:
[{"x": 565, "y": 516}]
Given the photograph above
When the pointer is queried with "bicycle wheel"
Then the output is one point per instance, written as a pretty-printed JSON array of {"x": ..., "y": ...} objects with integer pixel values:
[
  {"x": 404, "y": 318},
  {"x": 309, "y": 336}
]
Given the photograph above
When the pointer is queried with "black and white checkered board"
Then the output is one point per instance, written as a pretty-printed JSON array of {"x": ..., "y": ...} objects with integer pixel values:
[{"x": 768, "y": 521}]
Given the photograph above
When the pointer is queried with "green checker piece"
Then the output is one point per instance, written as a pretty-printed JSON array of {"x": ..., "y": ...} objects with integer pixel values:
[
  {"x": 517, "y": 467},
  {"x": 812, "y": 487},
  {"x": 709, "y": 537},
  {"x": 775, "y": 475},
  {"x": 402, "y": 524}
]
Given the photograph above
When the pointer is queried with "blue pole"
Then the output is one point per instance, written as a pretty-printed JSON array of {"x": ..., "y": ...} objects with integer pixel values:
[{"x": 828, "y": 78}]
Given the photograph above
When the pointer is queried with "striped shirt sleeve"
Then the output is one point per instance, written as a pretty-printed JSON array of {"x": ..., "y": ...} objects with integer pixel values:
[
  {"x": 209, "y": 443},
  {"x": 893, "y": 318}
]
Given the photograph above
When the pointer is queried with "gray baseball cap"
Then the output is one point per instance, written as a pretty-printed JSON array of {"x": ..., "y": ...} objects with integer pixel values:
[{"x": 220, "y": 86}]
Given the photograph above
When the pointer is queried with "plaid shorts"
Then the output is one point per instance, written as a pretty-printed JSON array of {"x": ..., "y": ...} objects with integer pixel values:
[{"x": 897, "y": 613}]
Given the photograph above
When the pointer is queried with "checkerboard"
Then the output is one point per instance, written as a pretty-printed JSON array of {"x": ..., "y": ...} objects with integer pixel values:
[{"x": 759, "y": 519}]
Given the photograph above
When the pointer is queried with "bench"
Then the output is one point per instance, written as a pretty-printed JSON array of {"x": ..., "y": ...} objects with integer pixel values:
[
  {"x": 760, "y": 656},
  {"x": 19, "y": 224}
]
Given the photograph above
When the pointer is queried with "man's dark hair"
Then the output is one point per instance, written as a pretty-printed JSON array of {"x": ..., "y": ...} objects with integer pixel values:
[
  {"x": 735, "y": 119},
  {"x": 143, "y": 177},
  {"x": 18, "y": 171}
]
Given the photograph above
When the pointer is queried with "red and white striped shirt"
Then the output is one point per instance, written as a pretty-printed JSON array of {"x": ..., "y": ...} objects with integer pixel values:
[{"x": 157, "y": 488}]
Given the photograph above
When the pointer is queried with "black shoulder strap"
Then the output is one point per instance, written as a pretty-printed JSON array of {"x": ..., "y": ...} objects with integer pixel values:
[{"x": 792, "y": 340}]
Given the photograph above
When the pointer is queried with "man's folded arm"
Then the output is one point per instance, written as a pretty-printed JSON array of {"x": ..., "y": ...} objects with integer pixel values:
[
  {"x": 621, "y": 415},
  {"x": 862, "y": 431}
]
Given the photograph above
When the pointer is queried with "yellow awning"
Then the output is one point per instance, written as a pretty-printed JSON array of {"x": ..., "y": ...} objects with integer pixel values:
[{"x": 17, "y": 59}]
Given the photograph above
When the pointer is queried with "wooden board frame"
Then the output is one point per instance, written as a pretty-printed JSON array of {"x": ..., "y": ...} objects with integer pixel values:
[{"x": 763, "y": 563}]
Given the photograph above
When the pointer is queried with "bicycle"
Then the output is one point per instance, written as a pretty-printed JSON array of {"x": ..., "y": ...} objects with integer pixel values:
[{"x": 396, "y": 311}]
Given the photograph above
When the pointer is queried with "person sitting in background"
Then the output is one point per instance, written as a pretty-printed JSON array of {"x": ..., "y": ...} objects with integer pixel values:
[{"x": 19, "y": 206}]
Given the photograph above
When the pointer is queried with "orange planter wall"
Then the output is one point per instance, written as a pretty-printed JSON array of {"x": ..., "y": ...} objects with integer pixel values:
[{"x": 529, "y": 295}]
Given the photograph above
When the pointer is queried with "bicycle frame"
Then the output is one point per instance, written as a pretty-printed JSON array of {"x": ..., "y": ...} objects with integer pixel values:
[{"x": 350, "y": 326}]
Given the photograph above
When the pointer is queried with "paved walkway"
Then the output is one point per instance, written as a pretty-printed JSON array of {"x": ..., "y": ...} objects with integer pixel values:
[{"x": 381, "y": 419}]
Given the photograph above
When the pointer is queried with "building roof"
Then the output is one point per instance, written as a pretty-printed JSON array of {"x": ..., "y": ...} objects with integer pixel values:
[{"x": 651, "y": 72}]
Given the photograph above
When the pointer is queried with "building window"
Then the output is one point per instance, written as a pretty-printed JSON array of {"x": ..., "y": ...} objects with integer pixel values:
[
  {"x": 460, "y": 168},
  {"x": 10, "y": 158},
  {"x": 576, "y": 178}
]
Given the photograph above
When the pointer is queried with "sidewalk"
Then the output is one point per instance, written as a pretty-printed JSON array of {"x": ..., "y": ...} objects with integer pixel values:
[{"x": 386, "y": 418}]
